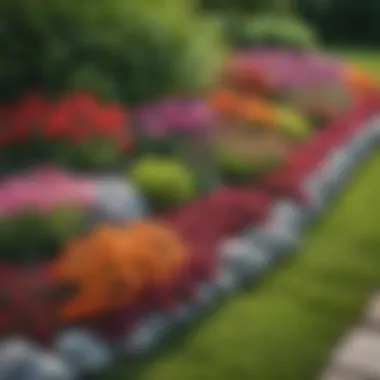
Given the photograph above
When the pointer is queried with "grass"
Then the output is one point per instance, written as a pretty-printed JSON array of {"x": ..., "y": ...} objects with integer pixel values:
[{"x": 285, "y": 328}]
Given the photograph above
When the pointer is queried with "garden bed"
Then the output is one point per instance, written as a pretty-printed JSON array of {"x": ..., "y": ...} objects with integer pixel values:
[
  {"x": 206, "y": 195},
  {"x": 242, "y": 259}
]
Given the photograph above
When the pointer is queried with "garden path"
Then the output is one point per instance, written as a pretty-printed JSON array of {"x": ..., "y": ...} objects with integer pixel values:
[{"x": 357, "y": 356}]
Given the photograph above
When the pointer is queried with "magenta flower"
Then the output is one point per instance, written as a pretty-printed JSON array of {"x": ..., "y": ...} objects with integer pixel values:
[
  {"x": 174, "y": 115},
  {"x": 45, "y": 190}
]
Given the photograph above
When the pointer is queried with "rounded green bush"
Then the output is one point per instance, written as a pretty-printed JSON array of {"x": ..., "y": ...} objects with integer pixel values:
[
  {"x": 235, "y": 170},
  {"x": 293, "y": 124},
  {"x": 165, "y": 181}
]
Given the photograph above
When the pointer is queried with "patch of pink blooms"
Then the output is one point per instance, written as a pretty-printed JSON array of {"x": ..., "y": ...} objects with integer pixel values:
[
  {"x": 289, "y": 69},
  {"x": 43, "y": 190},
  {"x": 174, "y": 116}
]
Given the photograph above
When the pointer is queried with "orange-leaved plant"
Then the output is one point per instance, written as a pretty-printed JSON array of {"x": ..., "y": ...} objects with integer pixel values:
[{"x": 111, "y": 266}]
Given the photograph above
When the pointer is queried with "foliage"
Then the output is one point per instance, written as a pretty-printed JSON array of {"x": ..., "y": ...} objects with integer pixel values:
[
  {"x": 130, "y": 51},
  {"x": 293, "y": 124},
  {"x": 29, "y": 236},
  {"x": 236, "y": 170},
  {"x": 76, "y": 131},
  {"x": 166, "y": 182},
  {"x": 111, "y": 266},
  {"x": 234, "y": 104},
  {"x": 270, "y": 30}
]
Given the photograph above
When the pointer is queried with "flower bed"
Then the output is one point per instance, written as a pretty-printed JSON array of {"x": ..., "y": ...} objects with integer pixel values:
[{"x": 120, "y": 286}]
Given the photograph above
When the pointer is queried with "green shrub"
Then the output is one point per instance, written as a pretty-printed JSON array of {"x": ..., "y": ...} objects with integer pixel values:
[
  {"x": 270, "y": 30},
  {"x": 123, "y": 50},
  {"x": 235, "y": 170},
  {"x": 30, "y": 237},
  {"x": 293, "y": 124},
  {"x": 165, "y": 181}
]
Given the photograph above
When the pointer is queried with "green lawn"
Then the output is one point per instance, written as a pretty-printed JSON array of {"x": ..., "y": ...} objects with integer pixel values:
[{"x": 284, "y": 328}]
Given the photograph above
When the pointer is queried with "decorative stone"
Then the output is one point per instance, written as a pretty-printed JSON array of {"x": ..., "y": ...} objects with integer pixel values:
[
  {"x": 226, "y": 281},
  {"x": 241, "y": 257},
  {"x": 147, "y": 334},
  {"x": 185, "y": 313},
  {"x": 84, "y": 350},
  {"x": 312, "y": 186},
  {"x": 376, "y": 128},
  {"x": 17, "y": 359},
  {"x": 207, "y": 294},
  {"x": 278, "y": 237},
  {"x": 50, "y": 367},
  {"x": 360, "y": 353},
  {"x": 120, "y": 200},
  {"x": 287, "y": 212}
]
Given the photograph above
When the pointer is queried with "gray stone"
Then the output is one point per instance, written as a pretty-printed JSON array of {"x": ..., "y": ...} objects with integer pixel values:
[
  {"x": 149, "y": 332},
  {"x": 50, "y": 367},
  {"x": 17, "y": 359},
  {"x": 286, "y": 212},
  {"x": 207, "y": 294},
  {"x": 312, "y": 186},
  {"x": 359, "y": 353},
  {"x": 278, "y": 237},
  {"x": 84, "y": 350},
  {"x": 120, "y": 200},
  {"x": 226, "y": 281},
  {"x": 241, "y": 257},
  {"x": 185, "y": 313}
]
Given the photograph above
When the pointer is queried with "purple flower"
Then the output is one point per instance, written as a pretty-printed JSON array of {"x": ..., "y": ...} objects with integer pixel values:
[{"x": 175, "y": 115}]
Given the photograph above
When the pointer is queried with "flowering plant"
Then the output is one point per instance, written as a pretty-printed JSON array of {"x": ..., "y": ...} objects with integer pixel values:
[
  {"x": 76, "y": 130},
  {"x": 180, "y": 128},
  {"x": 111, "y": 266},
  {"x": 173, "y": 116},
  {"x": 252, "y": 109},
  {"x": 43, "y": 189}
]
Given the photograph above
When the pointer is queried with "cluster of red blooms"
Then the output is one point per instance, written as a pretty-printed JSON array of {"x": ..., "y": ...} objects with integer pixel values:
[{"x": 75, "y": 117}]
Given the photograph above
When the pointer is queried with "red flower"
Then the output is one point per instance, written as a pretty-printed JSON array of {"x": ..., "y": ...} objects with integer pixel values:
[
  {"x": 112, "y": 122},
  {"x": 73, "y": 116},
  {"x": 28, "y": 115}
]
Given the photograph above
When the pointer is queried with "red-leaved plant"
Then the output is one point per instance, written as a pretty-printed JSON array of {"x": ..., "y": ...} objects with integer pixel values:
[{"x": 76, "y": 130}]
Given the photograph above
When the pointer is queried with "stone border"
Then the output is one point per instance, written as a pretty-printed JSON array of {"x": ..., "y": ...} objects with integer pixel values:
[{"x": 79, "y": 351}]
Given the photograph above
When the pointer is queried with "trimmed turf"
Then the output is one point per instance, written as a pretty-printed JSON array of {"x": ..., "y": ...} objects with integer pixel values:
[{"x": 283, "y": 329}]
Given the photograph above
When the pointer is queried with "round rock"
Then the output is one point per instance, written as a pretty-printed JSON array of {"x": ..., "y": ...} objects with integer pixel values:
[{"x": 84, "y": 350}]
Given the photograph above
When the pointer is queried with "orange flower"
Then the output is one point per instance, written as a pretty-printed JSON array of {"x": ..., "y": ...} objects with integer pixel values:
[
  {"x": 225, "y": 102},
  {"x": 111, "y": 266},
  {"x": 359, "y": 81},
  {"x": 257, "y": 111}
]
